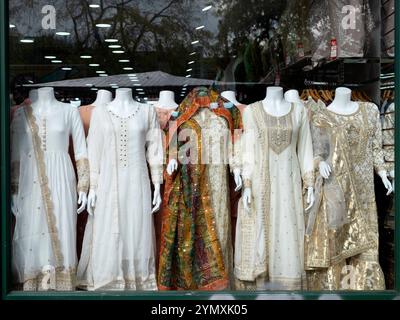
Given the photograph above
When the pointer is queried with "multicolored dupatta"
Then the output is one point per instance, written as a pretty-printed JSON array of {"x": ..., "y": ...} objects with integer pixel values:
[{"x": 190, "y": 253}]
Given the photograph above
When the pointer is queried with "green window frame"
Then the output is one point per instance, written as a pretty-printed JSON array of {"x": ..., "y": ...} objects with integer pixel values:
[{"x": 7, "y": 294}]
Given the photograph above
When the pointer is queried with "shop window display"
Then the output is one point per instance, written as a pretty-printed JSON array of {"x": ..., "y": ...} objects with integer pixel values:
[{"x": 201, "y": 146}]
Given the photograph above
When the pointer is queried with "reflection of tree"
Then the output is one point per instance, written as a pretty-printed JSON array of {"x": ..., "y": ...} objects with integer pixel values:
[{"x": 151, "y": 32}]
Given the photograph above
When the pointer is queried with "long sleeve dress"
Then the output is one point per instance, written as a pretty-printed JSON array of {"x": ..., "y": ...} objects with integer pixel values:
[
  {"x": 277, "y": 166},
  {"x": 43, "y": 179},
  {"x": 119, "y": 245},
  {"x": 342, "y": 236}
]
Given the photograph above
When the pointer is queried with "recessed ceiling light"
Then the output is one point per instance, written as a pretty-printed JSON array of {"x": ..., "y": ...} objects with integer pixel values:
[
  {"x": 12, "y": 26},
  {"x": 63, "y": 33},
  {"x": 86, "y": 57},
  {"x": 103, "y": 25},
  {"x": 199, "y": 28},
  {"x": 50, "y": 57},
  {"x": 128, "y": 68},
  {"x": 100, "y": 71},
  {"x": 94, "y": 89},
  {"x": 27, "y": 41},
  {"x": 118, "y": 51},
  {"x": 206, "y": 8},
  {"x": 115, "y": 87},
  {"x": 192, "y": 54},
  {"x": 103, "y": 75},
  {"x": 139, "y": 89},
  {"x": 67, "y": 69},
  {"x": 188, "y": 70},
  {"x": 94, "y": 65},
  {"x": 191, "y": 62},
  {"x": 114, "y": 46},
  {"x": 137, "y": 85},
  {"x": 195, "y": 42},
  {"x": 113, "y": 84},
  {"x": 56, "y": 61},
  {"x": 89, "y": 84},
  {"x": 94, "y": 6},
  {"x": 111, "y": 40},
  {"x": 141, "y": 93},
  {"x": 124, "y": 61},
  {"x": 185, "y": 85},
  {"x": 135, "y": 80},
  {"x": 188, "y": 76}
]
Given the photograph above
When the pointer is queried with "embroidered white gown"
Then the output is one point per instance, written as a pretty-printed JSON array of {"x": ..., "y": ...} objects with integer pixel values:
[
  {"x": 43, "y": 178},
  {"x": 119, "y": 243},
  {"x": 278, "y": 165}
]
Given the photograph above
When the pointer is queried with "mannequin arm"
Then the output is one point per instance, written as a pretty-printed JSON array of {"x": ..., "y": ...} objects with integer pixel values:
[
  {"x": 386, "y": 182},
  {"x": 91, "y": 202},
  {"x": 325, "y": 170},
  {"x": 172, "y": 166},
  {"x": 247, "y": 199},
  {"x": 157, "y": 198},
  {"x": 310, "y": 198},
  {"x": 238, "y": 179},
  {"x": 82, "y": 202},
  {"x": 14, "y": 206}
]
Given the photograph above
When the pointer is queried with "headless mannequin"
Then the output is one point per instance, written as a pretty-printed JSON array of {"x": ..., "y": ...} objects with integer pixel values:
[
  {"x": 45, "y": 103},
  {"x": 230, "y": 96},
  {"x": 122, "y": 105},
  {"x": 343, "y": 105},
  {"x": 33, "y": 95},
  {"x": 103, "y": 97},
  {"x": 293, "y": 96},
  {"x": 167, "y": 101},
  {"x": 275, "y": 104}
]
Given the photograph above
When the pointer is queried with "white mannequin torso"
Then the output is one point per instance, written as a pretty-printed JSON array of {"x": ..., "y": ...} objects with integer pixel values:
[
  {"x": 342, "y": 103},
  {"x": 230, "y": 96},
  {"x": 274, "y": 103},
  {"x": 33, "y": 95},
  {"x": 46, "y": 102},
  {"x": 167, "y": 101},
  {"x": 123, "y": 104},
  {"x": 103, "y": 97}
]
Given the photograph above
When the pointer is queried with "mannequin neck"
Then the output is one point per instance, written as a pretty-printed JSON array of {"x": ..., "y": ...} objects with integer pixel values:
[
  {"x": 230, "y": 96},
  {"x": 292, "y": 96},
  {"x": 342, "y": 103},
  {"x": 167, "y": 101},
  {"x": 33, "y": 95},
  {"x": 103, "y": 97},
  {"x": 274, "y": 103},
  {"x": 45, "y": 101},
  {"x": 123, "y": 103}
]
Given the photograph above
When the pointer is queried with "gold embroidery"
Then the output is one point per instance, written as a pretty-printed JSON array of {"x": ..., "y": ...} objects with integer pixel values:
[
  {"x": 279, "y": 131},
  {"x": 308, "y": 180},
  {"x": 82, "y": 166}
]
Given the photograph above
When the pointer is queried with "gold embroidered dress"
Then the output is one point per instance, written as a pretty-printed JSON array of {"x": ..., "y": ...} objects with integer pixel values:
[
  {"x": 43, "y": 180},
  {"x": 342, "y": 232},
  {"x": 277, "y": 166}
]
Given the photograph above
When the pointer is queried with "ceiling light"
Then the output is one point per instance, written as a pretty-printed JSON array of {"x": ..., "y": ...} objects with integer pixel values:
[
  {"x": 118, "y": 51},
  {"x": 56, "y": 61},
  {"x": 86, "y": 57},
  {"x": 195, "y": 42},
  {"x": 50, "y": 57},
  {"x": 67, "y": 69},
  {"x": 188, "y": 76},
  {"x": 188, "y": 70},
  {"x": 139, "y": 89},
  {"x": 111, "y": 40},
  {"x": 141, "y": 93},
  {"x": 115, "y": 87},
  {"x": 103, "y": 25},
  {"x": 135, "y": 80},
  {"x": 114, "y": 46},
  {"x": 12, "y": 26},
  {"x": 94, "y": 89},
  {"x": 124, "y": 61},
  {"x": 191, "y": 62},
  {"x": 137, "y": 85},
  {"x": 89, "y": 84},
  {"x": 94, "y": 6},
  {"x": 185, "y": 85},
  {"x": 63, "y": 33},
  {"x": 199, "y": 28},
  {"x": 206, "y": 8},
  {"x": 94, "y": 65},
  {"x": 99, "y": 71},
  {"x": 128, "y": 68},
  {"x": 27, "y": 41},
  {"x": 192, "y": 54},
  {"x": 103, "y": 75}
]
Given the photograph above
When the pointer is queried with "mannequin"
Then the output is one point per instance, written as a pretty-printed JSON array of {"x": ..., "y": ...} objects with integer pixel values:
[
  {"x": 230, "y": 96},
  {"x": 167, "y": 101},
  {"x": 123, "y": 105},
  {"x": 275, "y": 104},
  {"x": 118, "y": 248},
  {"x": 347, "y": 140},
  {"x": 343, "y": 105},
  {"x": 103, "y": 97},
  {"x": 293, "y": 96},
  {"x": 45, "y": 192},
  {"x": 33, "y": 95},
  {"x": 278, "y": 168}
]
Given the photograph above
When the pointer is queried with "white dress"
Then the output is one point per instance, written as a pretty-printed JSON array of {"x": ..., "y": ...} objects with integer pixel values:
[
  {"x": 43, "y": 178},
  {"x": 278, "y": 165},
  {"x": 119, "y": 243}
]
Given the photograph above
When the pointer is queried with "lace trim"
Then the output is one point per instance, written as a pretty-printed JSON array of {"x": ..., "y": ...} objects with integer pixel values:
[
  {"x": 15, "y": 168},
  {"x": 82, "y": 166},
  {"x": 52, "y": 281},
  {"x": 308, "y": 180},
  {"x": 44, "y": 186},
  {"x": 157, "y": 174}
]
